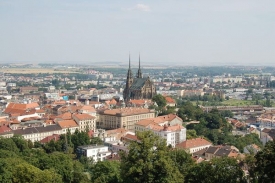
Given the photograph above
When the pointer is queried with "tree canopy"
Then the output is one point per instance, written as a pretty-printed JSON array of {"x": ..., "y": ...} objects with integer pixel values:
[{"x": 148, "y": 161}]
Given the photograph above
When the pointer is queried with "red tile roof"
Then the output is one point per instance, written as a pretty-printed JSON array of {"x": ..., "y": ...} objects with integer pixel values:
[
  {"x": 170, "y": 100},
  {"x": 157, "y": 120},
  {"x": 18, "y": 108},
  {"x": 88, "y": 108},
  {"x": 83, "y": 116},
  {"x": 192, "y": 143},
  {"x": 54, "y": 137},
  {"x": 65, "y": 116},
  {"x": 67, "y": 124},
  {"x": 130, "y": 137},
  {"x": 4, "y": 129}
]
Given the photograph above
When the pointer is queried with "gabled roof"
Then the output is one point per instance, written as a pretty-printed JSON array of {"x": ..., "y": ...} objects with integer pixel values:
[
  {"x": 88, "y": 108},
  {"x": 138, "y": 83},
  {"x": 130, "y": 137},
  {"x": 54, "y": 137},
  {"x": 157, "y": 120},
  {"x": 5, "y": 130},
  {"x": 20, "y": 108},
  {"x": 223, "y": 152},
  {"x": 65, "y": 116},
  {"x": 83, "y": 116},
  {"x": 40, "y": 129},
  {"x": 115, "y": 131},
  {"x": 193, "y": 143},
  {"x": 112, "y": 102},
  {"x": 169, "y": 100},
  {"x": 212, "y": 150},
  {"x": 139, "y": 101},
  {"x": 67, "y": 124}
]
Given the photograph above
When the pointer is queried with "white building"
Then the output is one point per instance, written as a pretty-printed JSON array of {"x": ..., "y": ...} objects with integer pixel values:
[
  {"x": 194, "y": 145},
  {"x": 53, "y": 96},
  {"x": 38, "y": 133},
  {"x": 96, "y": 152},
  {"x": 169, "y": 127}
]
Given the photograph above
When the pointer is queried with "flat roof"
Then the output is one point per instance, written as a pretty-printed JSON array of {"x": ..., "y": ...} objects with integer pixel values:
[{"x": 91, "y": 146}]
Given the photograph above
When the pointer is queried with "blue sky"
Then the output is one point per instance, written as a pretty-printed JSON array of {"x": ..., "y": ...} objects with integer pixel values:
[{"x": 185, "y": 32}]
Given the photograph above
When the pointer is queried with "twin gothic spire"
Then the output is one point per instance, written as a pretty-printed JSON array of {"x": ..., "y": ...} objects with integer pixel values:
[{"x": 139, "y": 74}]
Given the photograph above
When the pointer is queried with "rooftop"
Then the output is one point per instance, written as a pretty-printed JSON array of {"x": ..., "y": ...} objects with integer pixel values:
[
  {"x": 126, "y": 111},
  {"x": 192, "y": 143}
]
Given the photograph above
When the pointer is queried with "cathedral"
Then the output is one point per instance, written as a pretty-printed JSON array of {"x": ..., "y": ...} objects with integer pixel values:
[{"x": 138, "y": 87}]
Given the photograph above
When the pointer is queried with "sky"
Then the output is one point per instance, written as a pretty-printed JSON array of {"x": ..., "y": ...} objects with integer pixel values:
[{"x": 174, "y": 32}]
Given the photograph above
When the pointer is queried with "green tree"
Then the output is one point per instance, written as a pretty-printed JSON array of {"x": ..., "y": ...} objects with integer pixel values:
[
  {"x": 265, "y": 163},
  {"x": 182, "y": 160},
  {"x": 24, "y": 172},
  {"x": 190, "y": 134},
  {"x": 53, "y": 146},
  {"x": 227, "y": 113},
  {"x": 218, "y": 170},
  {"x": 20, "y": 142},
  {"x": 106, "y": 172},
  {"x": 160, "y": 100},
  {"x": 96, "y": 140},
  {"x": 80, "y": 138},
  {"x": 148, "y": 161},
  {"x": 8, "y": 144}
]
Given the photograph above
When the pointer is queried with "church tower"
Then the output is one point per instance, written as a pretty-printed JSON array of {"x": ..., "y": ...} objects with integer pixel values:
[
  {"x": 139, "y": 74},
  {"x": 129, "y": 81},
  {"x": 138, "y": 87}
]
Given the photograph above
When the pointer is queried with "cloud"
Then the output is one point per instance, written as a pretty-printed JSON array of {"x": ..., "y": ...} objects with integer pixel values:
[{"x": 140, "y": 7}]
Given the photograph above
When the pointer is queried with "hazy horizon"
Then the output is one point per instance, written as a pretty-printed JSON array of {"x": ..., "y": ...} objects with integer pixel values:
[{"x": 201, "y": 33}]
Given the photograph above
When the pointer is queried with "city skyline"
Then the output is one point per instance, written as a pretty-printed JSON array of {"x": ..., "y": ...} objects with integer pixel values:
[{"x": 173, "y": 33}]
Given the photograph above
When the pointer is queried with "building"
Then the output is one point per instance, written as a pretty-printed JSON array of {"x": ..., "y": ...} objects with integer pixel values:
[
  {"x": 68, "y": 125},
  {"x": 85, "y": 121},
  {"x": 96, "y": 152},
  {"x": 87, "y": 109},
  {"x": 189, "y": 93},
  {"x": 169, "y": 120},
  {"x": 6, "y": 131},
  {"x": 194, "y": 145},
  {"x": 243, "y": 110},
  {"x": 38, "y": 133},
  {"x": 221, "y": 151},
  {"x": 28, "y": 89},
  {"x": 251, "y": 149},
  {"x": 266, "y": 120},
  {"x": 123, "y": 118},
  {"x": 170, "y": 101},
  {"x": 138, "y": 87},
  {"x": 20, "y": 109},
  {"x": 168, "y": 127}
]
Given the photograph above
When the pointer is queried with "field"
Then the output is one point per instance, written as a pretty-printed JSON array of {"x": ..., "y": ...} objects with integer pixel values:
[
  {"x": 36, "y": 70},
  {"x": 235, "y": 102}
]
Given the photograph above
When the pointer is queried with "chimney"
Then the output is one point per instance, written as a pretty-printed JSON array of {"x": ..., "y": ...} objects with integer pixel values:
[
  {"x": 165, "y": 127},
  {"x": 87, "y": 102}
]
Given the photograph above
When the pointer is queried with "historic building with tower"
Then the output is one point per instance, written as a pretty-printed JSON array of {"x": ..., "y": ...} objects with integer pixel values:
[{"x": 138, "y": 87}]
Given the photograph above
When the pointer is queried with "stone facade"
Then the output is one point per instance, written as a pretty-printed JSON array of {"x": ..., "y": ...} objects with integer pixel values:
[{"x": 138, "y": 87}]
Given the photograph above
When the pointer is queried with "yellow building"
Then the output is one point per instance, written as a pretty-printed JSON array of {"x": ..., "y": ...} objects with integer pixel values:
[{"x": 123, "y": 118}]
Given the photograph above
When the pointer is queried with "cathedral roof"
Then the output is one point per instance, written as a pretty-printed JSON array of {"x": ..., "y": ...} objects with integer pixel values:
[{"x": 138, "y": 83}]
